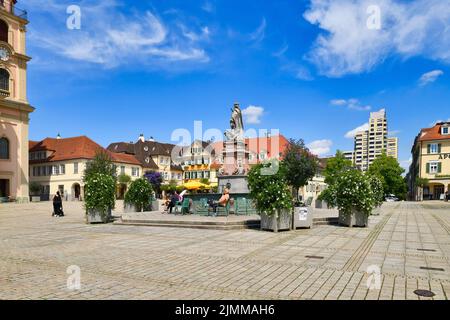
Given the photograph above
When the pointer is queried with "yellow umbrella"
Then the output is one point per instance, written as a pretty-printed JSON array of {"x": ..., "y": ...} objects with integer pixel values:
[{"x": 194, "y": 185}]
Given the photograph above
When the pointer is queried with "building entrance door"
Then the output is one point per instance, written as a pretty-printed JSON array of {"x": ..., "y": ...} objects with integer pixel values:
[
  {"x": 438, "y": 191},
  {"x": 4, "y": 188}
]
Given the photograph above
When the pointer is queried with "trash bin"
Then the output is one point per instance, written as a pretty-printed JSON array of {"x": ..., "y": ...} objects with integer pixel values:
[{"x": 303, "y": 217}]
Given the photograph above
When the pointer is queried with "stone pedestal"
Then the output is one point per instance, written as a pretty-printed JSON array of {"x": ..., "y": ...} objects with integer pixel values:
[{"x": 238, "y": 184}]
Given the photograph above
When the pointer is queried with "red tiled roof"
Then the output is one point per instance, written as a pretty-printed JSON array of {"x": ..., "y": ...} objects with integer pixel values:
[
  {"x": 75, "y": 148},
  {"x": 434, "y": 133}
]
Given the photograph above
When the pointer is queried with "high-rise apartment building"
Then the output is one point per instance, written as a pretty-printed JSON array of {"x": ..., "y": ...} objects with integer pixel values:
[{"x": 373, "y": 142}]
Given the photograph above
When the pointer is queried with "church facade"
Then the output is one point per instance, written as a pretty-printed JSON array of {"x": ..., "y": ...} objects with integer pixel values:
[{"x": 14, "y": 106}]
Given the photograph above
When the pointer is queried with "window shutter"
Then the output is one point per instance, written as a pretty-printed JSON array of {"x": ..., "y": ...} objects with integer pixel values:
[
  {"x": 439, "y": 148},
  {"x": 439, "y": 167},
  {"x": 428, "y": 148},
  {"x": 428, "y": 168}
]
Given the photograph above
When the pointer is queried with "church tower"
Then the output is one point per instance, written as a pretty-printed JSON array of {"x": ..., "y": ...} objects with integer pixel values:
[{"x": 14, "y": 106}]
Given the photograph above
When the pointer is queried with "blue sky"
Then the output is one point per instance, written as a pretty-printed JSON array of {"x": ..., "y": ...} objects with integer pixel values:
[{"x": 312, "y": 69}]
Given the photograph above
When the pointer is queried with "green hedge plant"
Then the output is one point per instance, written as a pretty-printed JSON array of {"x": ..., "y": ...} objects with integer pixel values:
[{"x": 139, "y": 194}]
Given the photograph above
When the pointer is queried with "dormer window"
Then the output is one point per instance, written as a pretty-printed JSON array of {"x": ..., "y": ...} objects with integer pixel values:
[{"x": 444, "y": 130}]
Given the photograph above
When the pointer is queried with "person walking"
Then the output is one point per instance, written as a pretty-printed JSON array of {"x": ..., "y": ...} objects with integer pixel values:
[{"x": 57, "y": 205}]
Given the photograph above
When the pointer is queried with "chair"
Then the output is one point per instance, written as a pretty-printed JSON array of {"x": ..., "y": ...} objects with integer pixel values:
[
  {"x": 241, "y": 207},
  {"x": 223, "y": 211},
  {"x": 202, "y": 207},
  {"x": 185, "y": 206},
  {"x": 251, "y": 208}
]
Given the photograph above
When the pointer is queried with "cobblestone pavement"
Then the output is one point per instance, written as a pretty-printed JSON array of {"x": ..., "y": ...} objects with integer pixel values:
[{"x": 127, "y": 262}]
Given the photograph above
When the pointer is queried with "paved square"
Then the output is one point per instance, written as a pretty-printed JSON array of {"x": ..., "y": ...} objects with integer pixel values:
[{"x": 409, "y": 241}]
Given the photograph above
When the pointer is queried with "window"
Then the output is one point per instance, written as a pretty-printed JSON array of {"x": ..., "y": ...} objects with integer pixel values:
[
  {"x": 434, "y": 167},
  {"x": 3, "y": 31},
  {"x": 122, "y": 170},
  {"x": 55, "y": 170},
  {"x": 434, "y": 148},
  {"x": 75, "y": 168},
  {"x": 4, "y": 82},
  {"x": 445, "y": 130},
  {"x": 4, "y": 148},
  {"x": 135, "y": 172},
  {"x": 62, "y": 169}
]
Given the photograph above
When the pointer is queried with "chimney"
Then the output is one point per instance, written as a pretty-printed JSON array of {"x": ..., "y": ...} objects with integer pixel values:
[
  {"x": 58, "y": 137},
  {"x": 142, "y": 138}
]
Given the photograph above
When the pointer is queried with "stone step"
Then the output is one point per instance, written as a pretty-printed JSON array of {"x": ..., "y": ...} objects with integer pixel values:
[{"x": 189, "y": 225}]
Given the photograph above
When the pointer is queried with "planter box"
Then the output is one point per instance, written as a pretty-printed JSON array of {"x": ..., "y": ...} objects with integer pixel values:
[
  {"x": 355, "y": 219},
  {"x": 35, "y": 198},
  {"x": 272, "y": 223},
  {"x": 93, "y": 217},
  {"x": 130, "y": 208}
]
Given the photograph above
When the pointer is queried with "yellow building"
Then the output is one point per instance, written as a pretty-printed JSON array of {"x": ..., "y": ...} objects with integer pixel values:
[
  {"x": 431, "y": 161},
  {"x": 199, "y": 162},
  {"x": 59, "y": 164},
  {"x": 14, "y": 106}
]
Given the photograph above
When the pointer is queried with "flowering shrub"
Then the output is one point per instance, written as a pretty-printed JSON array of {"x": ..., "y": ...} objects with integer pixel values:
[
  {"x": 270, "y": 193},
  {"x": 352, "y": 190},
  {"x": 377, "y": 190},
  {"x": 139, "y": 194},
  {"x": 100, "y": 191}
]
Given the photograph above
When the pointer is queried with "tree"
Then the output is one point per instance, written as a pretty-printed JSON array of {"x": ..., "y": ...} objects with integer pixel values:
[
  {"x": 155, "y": 179},
  {"x": 101, "y": 164},
  {"x": 391, "y": 174},
  {"x": 335, "y": 166},
  {"x": 124, "y": 179},
  {"x": 421, "y": 182},
  {"x": 300, "y": 166}
]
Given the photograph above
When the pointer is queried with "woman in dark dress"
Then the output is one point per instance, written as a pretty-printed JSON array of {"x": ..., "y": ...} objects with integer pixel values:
[{"x": 57, "y": 205}]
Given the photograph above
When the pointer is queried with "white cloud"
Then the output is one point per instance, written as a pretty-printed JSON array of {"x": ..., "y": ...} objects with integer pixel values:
[
  {"x": 253, "y": 114},
  {"x": 351, "y": 134},
  {"x": 111, "y": 39},
  {"x": 320, "y": 147},
  {"x": 209, "y": 7},
  {"x": 348, "y": 46},
  {"x": 260, "y": 33},
  {"x": 430, "y": 77},
  {"x": 353, "y": 104}
]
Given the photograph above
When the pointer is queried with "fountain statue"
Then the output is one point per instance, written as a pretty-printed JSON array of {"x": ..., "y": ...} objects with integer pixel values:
[{"x": 235, "y": 155}]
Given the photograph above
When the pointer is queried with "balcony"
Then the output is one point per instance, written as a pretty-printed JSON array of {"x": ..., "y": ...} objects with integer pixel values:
[{"x": 9, "y": 6}]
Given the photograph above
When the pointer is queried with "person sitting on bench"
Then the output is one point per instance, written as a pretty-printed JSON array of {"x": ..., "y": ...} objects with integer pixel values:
[{"x": 223, "y": 201}]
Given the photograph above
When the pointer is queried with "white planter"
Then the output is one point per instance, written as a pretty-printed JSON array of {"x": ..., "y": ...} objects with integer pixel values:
[
  {"x": 355, "y": 219},
  {"x": 93, "y": 217},
  {"x": 274, "y": 223},
  {"x": 130, "y": 208}
]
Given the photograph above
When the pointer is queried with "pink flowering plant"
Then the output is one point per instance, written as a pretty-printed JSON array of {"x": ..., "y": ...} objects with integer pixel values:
[{"x": 270, "y": 193}]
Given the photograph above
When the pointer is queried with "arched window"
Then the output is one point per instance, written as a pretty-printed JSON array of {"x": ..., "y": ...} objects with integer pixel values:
[
  {"x": 3, "y": 31},
  {"x": 4, "y": 80},
  {"x": 4, "y": 148}
]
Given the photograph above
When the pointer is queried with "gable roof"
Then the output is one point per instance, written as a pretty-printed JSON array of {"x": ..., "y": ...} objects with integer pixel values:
[
  {"x": 434, "y": 133},
  {"x": 75, "y": 148}
]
